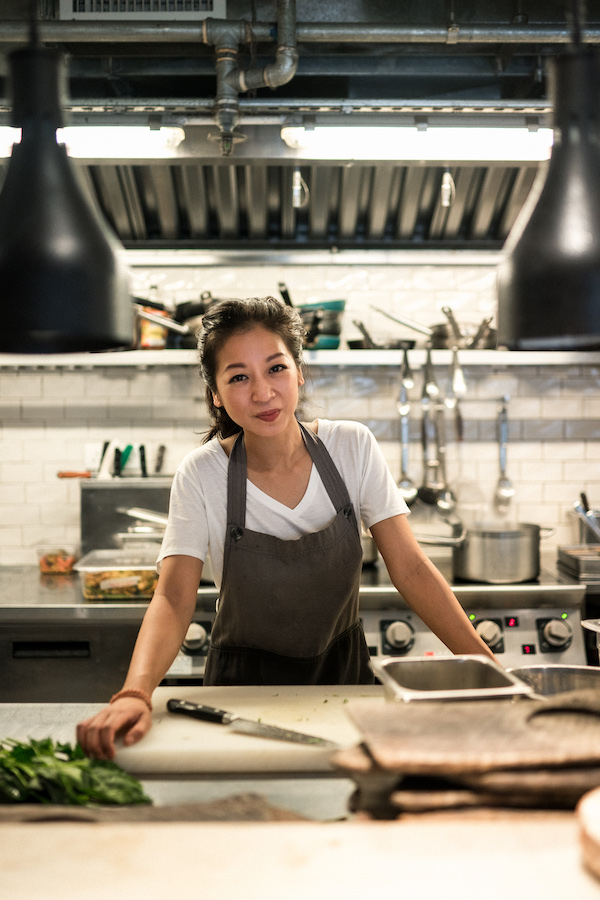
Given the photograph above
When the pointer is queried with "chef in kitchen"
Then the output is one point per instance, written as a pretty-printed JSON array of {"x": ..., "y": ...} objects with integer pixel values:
[{"x": 278, "y": 504}]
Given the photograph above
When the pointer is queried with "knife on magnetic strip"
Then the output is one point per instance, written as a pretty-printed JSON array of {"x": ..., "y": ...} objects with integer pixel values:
[{"x": 246, "y": 726}]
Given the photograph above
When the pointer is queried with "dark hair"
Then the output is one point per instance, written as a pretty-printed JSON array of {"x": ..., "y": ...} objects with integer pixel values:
[{"x": 228, "y": 317}]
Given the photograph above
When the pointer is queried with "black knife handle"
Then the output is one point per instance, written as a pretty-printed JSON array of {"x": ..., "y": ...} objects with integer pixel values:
[
  {"x": 117, "y": 463},
  {"x": 143, "y": 461},
  {"x": 197, "y": 711}
]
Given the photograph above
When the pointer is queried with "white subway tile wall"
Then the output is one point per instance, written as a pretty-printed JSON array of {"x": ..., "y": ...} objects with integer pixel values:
[{"x": 51, "y": 420}]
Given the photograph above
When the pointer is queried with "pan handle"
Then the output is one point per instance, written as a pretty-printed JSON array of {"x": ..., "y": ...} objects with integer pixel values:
[
  {"x": 442, "y": 540},
  {"x": 422, "y": 329},
  {"x": 162, "y": 320}
]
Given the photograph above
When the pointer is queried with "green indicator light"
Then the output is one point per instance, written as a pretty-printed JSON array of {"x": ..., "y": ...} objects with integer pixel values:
[
  {"x": 564, "y": 615},
  {"x": 472, "y": 617}
]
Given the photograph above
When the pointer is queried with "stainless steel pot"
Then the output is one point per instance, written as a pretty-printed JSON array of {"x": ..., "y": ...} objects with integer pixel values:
[{"x": 493, "y": 554}]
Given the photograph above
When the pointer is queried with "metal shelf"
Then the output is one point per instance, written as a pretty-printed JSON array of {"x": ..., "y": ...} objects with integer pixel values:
[{"x": 144, "y": 359}]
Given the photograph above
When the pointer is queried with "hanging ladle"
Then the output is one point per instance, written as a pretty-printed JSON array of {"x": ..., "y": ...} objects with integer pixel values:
[
  {"x": 505, "y": 490},
  {"x": 429, "y": 491},
  {"x": 406, "y": 485}
]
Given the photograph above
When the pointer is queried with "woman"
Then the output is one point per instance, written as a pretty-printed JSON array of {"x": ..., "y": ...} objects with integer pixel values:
[{"x": 279, "y": 506}]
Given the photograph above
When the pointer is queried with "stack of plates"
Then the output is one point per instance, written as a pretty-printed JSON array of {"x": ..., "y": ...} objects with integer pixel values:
[{"x": 581, "y": 561}]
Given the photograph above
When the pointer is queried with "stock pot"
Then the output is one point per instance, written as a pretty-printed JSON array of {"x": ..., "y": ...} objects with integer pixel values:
[{"x": 491, "y": 553}]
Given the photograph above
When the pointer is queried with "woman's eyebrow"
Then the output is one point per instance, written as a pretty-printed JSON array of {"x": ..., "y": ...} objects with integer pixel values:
[{"x": 242, "y": 365}]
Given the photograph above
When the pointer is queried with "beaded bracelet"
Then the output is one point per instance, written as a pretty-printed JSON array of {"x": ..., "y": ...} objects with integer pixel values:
[{"x": 133, "y": 692}]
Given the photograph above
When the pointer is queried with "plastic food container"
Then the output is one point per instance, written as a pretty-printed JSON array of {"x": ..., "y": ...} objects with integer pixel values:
[
  {"x": 446, "y": 678},
  {"x": 55, "y": 560},
  {"x": 119, "y": 574}
]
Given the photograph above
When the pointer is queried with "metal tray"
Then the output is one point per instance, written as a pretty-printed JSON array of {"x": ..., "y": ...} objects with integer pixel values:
[
  {"x": 580, "y": 559},
  {"x": 446, "y": 678},
  {"x": 555, "y": 678}
]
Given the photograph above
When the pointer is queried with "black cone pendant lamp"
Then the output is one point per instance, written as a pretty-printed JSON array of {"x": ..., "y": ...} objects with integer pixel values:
[
  {"x": 549, "y": 278},
  {"x": 63, "y": 287}
]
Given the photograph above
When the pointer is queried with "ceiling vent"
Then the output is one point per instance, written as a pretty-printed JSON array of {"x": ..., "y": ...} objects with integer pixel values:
[{"x": 120, "y": 10}]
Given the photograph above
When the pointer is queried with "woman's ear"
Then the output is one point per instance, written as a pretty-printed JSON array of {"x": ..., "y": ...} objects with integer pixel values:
[{"x": 216, "y": 400}]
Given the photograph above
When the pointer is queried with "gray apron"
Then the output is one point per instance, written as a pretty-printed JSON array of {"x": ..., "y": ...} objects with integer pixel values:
[{"x": 288, "y": 610}]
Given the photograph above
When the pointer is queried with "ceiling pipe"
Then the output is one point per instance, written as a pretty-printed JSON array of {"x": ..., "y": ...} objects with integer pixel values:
[
  {"x": 308, "y": 32},
  {"x": 233, "y": 79}
]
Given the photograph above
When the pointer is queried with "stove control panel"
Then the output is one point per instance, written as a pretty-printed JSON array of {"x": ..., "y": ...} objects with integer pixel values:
[
  {"x": 513, "y": 635},
  {"x": 548, "y": 635},
  {"x": 188, "y": 666}
]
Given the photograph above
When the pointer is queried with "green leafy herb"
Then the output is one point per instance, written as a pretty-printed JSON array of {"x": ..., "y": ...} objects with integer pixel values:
[{"x": 45, "y": 771}]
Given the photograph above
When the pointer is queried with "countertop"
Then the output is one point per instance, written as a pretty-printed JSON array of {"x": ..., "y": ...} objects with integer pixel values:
[
  {"x": 460, "y": 855},
  {"x": 468, "y": 856}
]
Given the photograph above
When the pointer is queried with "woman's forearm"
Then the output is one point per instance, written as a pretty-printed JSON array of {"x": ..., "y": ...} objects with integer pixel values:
[
  {"x": 158, "y": 642},
  {"x": 423, "y": 587},
  {"x": 165, "y": 623},
  {"x": 432, "y": 599}
]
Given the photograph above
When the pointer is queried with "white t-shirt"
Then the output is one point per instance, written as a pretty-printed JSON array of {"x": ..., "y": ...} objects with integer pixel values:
[{"x": 198, "y": 504}]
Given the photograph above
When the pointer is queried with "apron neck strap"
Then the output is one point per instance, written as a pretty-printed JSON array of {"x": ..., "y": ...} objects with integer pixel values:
[{"x": 237, "y": 475}]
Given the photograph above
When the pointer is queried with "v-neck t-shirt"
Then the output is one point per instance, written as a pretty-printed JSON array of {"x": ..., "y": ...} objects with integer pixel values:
[{"x": 198, "y": 503}]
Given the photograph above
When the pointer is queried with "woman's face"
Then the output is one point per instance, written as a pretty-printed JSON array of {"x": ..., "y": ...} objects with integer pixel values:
[{"x": 257, "y": 381}]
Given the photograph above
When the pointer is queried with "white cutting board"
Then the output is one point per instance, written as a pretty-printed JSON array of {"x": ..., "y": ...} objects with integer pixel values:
[{"x": 179, "y": 745}]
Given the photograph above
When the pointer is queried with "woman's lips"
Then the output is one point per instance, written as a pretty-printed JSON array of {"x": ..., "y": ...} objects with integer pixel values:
[{"x": 269, "y": 415}]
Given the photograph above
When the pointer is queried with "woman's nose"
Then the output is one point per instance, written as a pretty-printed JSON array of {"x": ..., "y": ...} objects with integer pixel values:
[{"x": 262, "y": 390}]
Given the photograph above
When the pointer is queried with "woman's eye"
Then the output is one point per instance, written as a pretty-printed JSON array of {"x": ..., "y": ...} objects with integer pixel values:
[
  {"x": 278, "y": 367},
  {"x": 239, "y": 377}
]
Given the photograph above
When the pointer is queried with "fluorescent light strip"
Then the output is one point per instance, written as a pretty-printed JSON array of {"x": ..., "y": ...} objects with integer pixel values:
[
  {"x": 108, "y": 141},
  {"x": 443, "y": 144}
]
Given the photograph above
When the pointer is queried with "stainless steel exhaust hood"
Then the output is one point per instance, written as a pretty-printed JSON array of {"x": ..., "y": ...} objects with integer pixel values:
[{"x": 420, "y": 63}]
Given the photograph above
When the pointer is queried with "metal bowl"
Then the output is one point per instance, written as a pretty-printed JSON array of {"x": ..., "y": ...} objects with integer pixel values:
[
  {"x": 446, "y": 678},
  {"x": 555, "y": 679}
]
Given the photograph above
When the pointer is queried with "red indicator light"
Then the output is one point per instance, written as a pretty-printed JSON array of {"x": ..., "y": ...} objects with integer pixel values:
[{"x": 528, "y": 649}]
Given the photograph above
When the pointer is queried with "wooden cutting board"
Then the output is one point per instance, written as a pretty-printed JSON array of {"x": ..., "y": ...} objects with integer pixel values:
[{"x": 478, "y": 736}]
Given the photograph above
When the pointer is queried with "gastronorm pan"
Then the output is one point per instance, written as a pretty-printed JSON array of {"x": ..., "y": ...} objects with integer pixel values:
[{"x": 446, "y": 678}]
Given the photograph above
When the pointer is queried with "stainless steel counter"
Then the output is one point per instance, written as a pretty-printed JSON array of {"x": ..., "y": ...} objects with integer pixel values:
[{"x": 26, "y": 593}]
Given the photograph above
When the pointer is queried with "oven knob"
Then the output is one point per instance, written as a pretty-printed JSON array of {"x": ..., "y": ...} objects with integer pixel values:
[
  {"x": 400, "y": 635},
  {"x": 557, "y": 633},
  {"x": 195, "y": 638},
  {"x": 490, "y": 632}
]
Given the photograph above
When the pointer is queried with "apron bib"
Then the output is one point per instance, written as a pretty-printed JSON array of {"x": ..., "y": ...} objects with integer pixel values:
[{"x": 288, "y": 610}]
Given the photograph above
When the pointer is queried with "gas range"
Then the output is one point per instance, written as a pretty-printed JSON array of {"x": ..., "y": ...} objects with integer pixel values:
[{"x": 537, "y": 622}]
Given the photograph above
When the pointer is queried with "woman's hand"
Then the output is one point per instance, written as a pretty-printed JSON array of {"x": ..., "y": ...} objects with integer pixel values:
[{"x": 128, "y": 718}]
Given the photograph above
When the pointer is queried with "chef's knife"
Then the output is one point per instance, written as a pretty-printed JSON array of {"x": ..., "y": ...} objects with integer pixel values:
[{"x": 245, "y": 726}]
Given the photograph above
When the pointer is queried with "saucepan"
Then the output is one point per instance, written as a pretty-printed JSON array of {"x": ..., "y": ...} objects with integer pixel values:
[
  {"x": 490, "y": 553},
  {"x": 447, "y": 335}
]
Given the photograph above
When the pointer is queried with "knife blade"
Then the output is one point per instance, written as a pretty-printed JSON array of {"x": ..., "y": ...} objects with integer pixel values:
[{"x": 245, "y": 726}]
